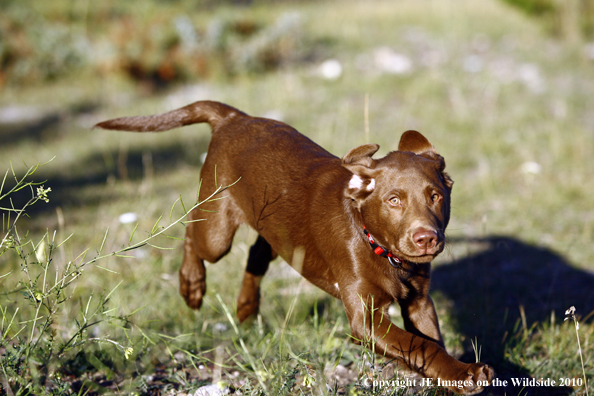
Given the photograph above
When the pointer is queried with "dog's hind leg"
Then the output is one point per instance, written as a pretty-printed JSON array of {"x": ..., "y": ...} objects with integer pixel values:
[
  {"x": 261, "y": 254},
  {"x": 208, "y": 240}
]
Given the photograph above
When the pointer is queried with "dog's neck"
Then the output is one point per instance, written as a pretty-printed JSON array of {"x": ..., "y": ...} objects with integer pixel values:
[{"x": 382, "y": 251}]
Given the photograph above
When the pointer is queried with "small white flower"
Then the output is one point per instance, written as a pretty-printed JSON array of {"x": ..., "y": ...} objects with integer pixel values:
[
  {"x": 221, "y": 327},
  {"x": 7, "y": 242},
  {"x": 331, "y": 69},
  {"x": 529, "y": 74},
  {"x": 42, "y": 193},
  {"x": 127, "y": 218},
  {"x": 530, "y": 167},
  {"x": 388, "y": 61}
]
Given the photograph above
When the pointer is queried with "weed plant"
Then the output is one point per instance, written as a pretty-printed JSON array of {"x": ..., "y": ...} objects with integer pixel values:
[
  {"x": 570, "y": 315},
  {"x": 34, "y": 346}
]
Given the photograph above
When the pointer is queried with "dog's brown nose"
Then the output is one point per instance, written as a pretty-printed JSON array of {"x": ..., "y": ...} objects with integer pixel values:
[{"x": 425, "y": 239}]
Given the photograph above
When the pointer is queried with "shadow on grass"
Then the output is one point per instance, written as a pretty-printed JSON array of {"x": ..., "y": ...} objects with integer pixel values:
[
  {"x": 77, "y": 185},
  {"x": 38, "y": 125},
  {"x": 506, "y": 286}
]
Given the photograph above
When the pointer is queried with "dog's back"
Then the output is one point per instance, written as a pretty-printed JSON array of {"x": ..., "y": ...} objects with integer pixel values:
[{"x": 280, "y": 169}]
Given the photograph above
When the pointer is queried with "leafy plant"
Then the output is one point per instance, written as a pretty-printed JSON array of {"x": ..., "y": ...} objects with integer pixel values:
[{"x": 33, "y": 348}]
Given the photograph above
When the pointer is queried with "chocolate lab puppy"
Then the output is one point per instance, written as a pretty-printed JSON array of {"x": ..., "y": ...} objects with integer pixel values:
[{"x": 362, "y": 229}]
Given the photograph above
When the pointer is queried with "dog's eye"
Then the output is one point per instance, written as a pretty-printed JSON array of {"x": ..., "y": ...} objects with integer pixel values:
[{"x": 395, "y": 201}]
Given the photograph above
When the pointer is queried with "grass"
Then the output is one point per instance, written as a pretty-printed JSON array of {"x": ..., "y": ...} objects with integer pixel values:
[{"x": 490, "y": 89}]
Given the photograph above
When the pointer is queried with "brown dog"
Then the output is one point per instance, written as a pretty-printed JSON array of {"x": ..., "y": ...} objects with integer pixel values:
[{"x": 363, "y": 230}]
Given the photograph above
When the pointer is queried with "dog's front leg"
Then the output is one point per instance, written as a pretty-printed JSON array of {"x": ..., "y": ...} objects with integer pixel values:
[
  {"x": 420, "y": 318},
  {"x": 372, "y": 327}
]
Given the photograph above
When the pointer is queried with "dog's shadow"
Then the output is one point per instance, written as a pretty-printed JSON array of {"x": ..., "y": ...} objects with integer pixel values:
[{"x": 504, "y": 288}]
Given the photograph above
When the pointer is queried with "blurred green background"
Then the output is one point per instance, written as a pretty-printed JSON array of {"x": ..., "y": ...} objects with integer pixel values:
[{"x": 503, "y": 89}]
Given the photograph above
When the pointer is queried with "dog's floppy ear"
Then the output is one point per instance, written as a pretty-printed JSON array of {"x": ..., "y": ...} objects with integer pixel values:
[
  {"x": 360, "y": 156},
  {"x": 415, "y": 142},
  {"x": 360, "y": 163}
]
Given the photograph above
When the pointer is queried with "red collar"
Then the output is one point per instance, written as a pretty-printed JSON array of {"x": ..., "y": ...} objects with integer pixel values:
[{"x": 381, "y": 251}]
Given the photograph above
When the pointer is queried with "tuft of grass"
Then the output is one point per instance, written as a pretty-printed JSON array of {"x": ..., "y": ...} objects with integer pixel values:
[{"x": 541, "y": 348}]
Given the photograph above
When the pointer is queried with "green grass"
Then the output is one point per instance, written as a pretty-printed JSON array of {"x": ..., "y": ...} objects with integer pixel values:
[{"x": 520, "y": 249}]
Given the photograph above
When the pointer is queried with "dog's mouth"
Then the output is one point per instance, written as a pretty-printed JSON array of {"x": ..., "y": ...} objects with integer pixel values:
[{"x": 419, "y": 257}]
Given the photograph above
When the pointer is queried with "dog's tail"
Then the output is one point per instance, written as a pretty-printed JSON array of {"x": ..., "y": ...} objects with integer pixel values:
[{"x": 197, "y": 112}]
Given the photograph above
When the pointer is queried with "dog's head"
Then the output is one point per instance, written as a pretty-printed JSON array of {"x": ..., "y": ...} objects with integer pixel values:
[{"x": 403, "y": 198}]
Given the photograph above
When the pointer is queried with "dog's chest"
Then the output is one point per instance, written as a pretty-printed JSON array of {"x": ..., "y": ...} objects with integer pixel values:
[{"x": 405, "y": 284}]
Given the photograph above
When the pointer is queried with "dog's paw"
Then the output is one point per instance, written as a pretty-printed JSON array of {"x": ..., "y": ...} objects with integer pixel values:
[
  {"x": 475, "y": 378},
  {"x": 192, "y": 285}
]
